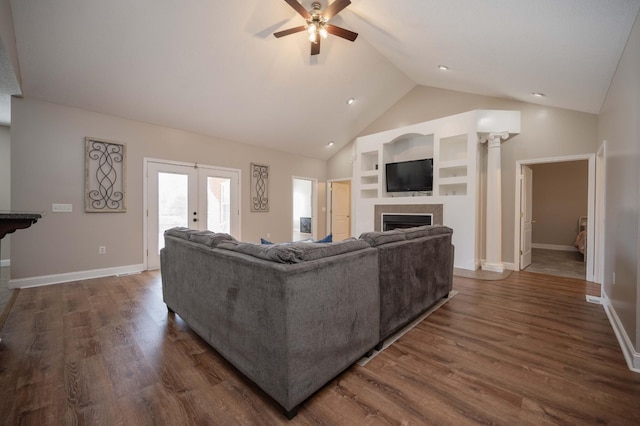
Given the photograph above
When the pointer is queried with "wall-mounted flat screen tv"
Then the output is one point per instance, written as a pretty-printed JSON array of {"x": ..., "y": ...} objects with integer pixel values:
[{"x": 404, "y": 176}]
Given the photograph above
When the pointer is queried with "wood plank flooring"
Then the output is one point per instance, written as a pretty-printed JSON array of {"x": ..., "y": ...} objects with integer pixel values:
[{"x": 528, "y": 350}]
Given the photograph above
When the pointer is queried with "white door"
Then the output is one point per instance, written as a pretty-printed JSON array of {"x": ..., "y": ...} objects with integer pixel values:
[
  {"x": 341, "y": 210},
  {"x": 304, "y": 217},
  {"x": 526, "y": 204},
  {"x": 192, "y": 197},
  {"x": 219, "y": 200}
]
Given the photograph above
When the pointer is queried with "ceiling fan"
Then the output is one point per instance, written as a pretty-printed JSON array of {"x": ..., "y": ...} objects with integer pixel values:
[{"x": 318, "y": 23}]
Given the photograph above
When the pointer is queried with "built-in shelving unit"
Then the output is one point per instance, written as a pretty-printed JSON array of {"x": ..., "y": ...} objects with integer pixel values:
[
  {"x": 453, "y": 143},
  {"x": 453, "y": 165}
]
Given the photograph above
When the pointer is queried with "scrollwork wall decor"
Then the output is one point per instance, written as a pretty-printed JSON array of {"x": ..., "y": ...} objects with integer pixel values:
[
  {"x": 259, "y": 188},
  {"x": 105, "y": 183}
]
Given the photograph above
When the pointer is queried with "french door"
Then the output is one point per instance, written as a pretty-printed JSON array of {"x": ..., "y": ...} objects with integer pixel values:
[
  {"x": 192, "y": 196},
  {"x": 526, "y": 211}
]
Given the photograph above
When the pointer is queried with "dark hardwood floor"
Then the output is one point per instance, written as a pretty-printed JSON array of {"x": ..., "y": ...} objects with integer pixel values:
[{"x": 525, "y": 350}]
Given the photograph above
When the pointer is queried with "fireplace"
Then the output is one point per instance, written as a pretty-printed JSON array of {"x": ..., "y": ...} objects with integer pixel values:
[{"x": 404, "y": 220}]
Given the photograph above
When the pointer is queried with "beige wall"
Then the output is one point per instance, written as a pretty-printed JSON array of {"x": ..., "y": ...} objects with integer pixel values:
[
  {"x": 5, "y": 183},
  {"x": 546, "y": 132},
  {"x": 619, "y": 125},
  {"x": 47, "y": 165},
  {"x": 560, "y": 193}
]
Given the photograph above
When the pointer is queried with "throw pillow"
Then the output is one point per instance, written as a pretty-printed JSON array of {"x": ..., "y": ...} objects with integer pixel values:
[
  {"x": 263, "y": 241},
  {"x": 327, "y": 239}
]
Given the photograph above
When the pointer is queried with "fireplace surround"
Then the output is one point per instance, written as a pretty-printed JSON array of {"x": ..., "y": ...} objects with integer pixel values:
[{"x": 434, "y": 210}]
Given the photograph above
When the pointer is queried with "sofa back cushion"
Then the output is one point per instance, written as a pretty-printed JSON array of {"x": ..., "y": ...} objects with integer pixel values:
[
  {"x": 294, "y": 252},
  {"x": 281, "y": 253},
  {"x": 426, "y": 231},
  {"x": 208, "y": 238},
  {"x": 378, "y": 238},
  {"x": 314, "y": 251}
]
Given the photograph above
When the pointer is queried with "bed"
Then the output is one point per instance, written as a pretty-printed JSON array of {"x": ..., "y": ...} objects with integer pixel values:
[{"x": 581, "y": 238}]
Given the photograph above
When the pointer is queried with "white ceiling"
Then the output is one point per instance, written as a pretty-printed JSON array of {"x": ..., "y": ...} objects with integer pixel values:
[{"x": 214, "y": 67}]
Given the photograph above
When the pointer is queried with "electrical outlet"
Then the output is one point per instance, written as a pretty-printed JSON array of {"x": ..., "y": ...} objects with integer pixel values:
[{"x": 102, "y": 249}]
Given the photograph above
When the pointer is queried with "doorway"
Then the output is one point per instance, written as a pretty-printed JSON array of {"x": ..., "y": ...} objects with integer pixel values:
[
  {"x": 304, "y": 226},
  {"x": 340, "y": 209},
  {"x": 191, "y": 196},
  {"x": 566, "y": 187}
]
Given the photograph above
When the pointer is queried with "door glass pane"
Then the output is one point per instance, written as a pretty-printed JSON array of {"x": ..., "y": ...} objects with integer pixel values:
[
  {"x": 173, "y": 199},
  {"x": 218, "y": 204}
]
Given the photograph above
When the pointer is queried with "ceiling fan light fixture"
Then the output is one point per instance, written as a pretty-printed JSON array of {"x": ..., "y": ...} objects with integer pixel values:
[{"x": 317, "y": 23}]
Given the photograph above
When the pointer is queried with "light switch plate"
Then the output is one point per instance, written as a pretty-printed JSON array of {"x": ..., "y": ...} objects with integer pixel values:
[{"x": 61, "y": 208}]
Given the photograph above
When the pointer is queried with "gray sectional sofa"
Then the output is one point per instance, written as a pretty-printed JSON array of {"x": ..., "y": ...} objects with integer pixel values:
[
  {"x": 415, "y": 272},
  {"x": 292, "y": 317}
]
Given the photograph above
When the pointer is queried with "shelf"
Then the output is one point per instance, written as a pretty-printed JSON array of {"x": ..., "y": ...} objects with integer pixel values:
[
  {"x": 369, "y": 161},
  {"x": 369, "y": 193},
  {"x": 453, "y": 189},
  {"x": 453, "y": 180},
  {"x": 453, "y": 172},
  {"x": 453, "y": 148},
  {"x": 369, "y": 187},
  {"x": 453, "y": 163},
  {"x": 369, "y": 180}
]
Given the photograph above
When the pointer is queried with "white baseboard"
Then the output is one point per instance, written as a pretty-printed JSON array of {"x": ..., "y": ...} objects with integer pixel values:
[
  {"x": 630, "y": 355},
  {"x": 4, "y": 263},
  {"x": 510, "y": 266},
  {"x": 74, "y": 276},
  {"x": 553, "y": 247}
]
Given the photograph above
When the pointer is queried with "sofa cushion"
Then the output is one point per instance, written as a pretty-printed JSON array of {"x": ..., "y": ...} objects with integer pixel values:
[
  {"x": 179, "y": 232},
  {"x": 327, "y": 239},
  {"x": 208, "y": 238},
  {"x": 281, "y": 253},
  {"x": 316, "y": 250},
  {"x": 377, "y": 238},
  {"x": 426, "y": 231}
]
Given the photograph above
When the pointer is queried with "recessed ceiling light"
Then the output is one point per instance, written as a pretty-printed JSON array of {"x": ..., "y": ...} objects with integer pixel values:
[
  {"x": 443, "y": 67},
  {"x": 538, "y": 94},
  {"x": 330, "y": 144},
  {"x": 350, "y": 101}
]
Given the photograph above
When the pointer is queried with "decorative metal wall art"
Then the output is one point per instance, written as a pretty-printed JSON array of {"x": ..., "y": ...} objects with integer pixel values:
[
  {"x": 105, "y": 180},
  {"x": 259, "y": 188}
]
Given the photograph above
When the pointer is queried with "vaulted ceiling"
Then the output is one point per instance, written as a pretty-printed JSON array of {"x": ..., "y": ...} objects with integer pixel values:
[{"x": 213, "y": 67}]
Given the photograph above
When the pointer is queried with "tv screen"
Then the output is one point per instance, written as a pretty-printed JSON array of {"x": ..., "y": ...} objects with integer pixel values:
[{"x": 406, "y": 176}]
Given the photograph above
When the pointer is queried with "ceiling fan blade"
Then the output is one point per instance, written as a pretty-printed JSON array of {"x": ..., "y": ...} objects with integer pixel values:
[
  {"x": 289, "y": 31},
  {"x": 334, "y": 8},
  {"x": 341, "y": 32},
  {"x": 315, "y": 47},
  {"x": 299, "y": 8}
]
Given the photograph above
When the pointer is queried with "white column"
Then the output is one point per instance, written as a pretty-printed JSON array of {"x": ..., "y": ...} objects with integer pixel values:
[{"x": 493, "y": 253}]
